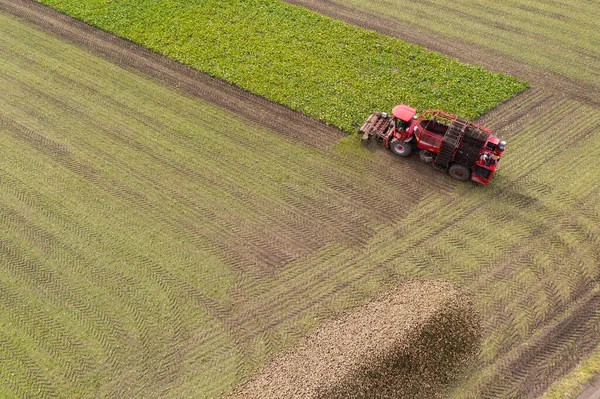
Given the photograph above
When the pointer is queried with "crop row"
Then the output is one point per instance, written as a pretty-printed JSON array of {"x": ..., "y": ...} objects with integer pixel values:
[{"x": 311, "y": 63}]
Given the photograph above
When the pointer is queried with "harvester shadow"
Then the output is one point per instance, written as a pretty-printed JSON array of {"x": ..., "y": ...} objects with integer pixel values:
[{"x": 411, "y": 166}]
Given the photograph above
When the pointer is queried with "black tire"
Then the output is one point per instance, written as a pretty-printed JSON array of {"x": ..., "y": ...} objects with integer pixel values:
[
  {"x": 459, "y": 172},
  {"x": 426, "y": 156},
  {"x": 401, "y": 148}
]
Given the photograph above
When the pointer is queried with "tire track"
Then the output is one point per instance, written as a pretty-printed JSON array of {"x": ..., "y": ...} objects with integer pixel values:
[
  {"x": 63, "y": 344},
  {"x": 525, "y": 374},
  {"x": 522, "y": 374},
  {"x": 43, "y": 388},
  {"x": 53, "y": 338}
]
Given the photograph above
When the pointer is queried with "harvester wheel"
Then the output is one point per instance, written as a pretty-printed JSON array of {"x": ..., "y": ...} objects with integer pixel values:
[
  {"x": 401, "y": 148},
  {"x": 459, "y": 172}
]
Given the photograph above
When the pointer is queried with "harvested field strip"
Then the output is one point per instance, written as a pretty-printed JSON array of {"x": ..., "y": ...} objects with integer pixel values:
[
  {"x": 141, "y": 225},
  {"x": 508, "y": 120},
  {"x": 518, "y": 224},
  {"x": 324, "y": 68},
  {"x": 547, "y": 34}
]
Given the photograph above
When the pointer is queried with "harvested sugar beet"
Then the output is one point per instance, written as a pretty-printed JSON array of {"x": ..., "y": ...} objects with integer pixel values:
[{"x": 409, "y": 343}]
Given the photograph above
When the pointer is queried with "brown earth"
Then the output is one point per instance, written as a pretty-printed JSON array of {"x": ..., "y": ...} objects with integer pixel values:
[{"x": 409, "y": 343}]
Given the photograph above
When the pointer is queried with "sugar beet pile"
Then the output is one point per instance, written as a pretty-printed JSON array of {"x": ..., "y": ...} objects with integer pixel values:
[{"x": 410, "y": 343}]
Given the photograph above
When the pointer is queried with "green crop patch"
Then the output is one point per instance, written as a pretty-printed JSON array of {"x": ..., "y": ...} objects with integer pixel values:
[
  {"x": 558, "y": 36},
  {"x": 311, "y": 63}
]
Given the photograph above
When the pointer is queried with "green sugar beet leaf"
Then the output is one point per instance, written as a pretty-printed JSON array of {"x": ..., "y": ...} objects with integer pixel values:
[{"x": 311, "y": 63}]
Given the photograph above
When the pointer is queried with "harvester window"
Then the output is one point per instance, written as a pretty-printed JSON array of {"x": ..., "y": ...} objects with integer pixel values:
[
  {"x": 400, "y": 125},
  {"x": 482, "y": 172},
  {"x": 490, "y": 146}
]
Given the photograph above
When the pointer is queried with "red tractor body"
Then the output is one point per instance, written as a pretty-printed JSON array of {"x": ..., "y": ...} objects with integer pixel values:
[{"x": 464, "y": 149}]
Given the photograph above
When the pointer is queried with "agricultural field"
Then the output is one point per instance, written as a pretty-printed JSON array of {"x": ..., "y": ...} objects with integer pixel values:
[
  {"x": 156, "y": 245},
  {"x": 550, "y": 44},
  {"x": 536, "y": 39},
  {"x": 317, "y": 65}
]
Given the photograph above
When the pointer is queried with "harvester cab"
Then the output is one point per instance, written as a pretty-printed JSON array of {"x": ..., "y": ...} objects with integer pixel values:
[
  {"x": 489, "y": 157},
  {"x": 403, "y": 116}
]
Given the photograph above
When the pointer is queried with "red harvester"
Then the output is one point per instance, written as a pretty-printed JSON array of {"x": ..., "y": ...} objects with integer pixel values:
[{"x": 464, "y": 149}]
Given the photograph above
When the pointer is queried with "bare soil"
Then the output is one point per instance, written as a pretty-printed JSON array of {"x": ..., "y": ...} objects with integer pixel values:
[{"x": 410, "y": 343}]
